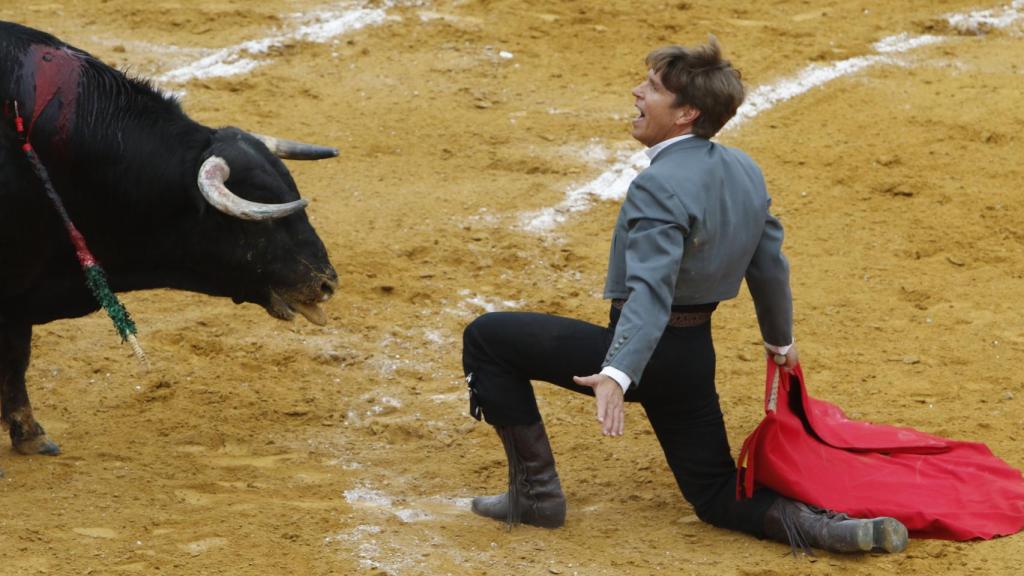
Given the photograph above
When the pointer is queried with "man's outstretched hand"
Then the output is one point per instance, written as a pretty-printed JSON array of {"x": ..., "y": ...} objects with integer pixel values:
[{"x": 611, "y": 411}]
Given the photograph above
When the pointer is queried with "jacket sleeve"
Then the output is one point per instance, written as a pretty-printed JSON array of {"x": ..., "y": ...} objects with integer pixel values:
[
  {"x": 768, "y": 281},
  {"x": 657, "y": 227}
]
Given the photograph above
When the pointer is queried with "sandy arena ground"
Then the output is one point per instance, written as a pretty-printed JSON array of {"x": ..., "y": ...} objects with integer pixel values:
[{"x": 254, "y": 446}]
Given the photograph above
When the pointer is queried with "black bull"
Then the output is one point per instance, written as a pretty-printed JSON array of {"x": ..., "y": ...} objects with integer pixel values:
[{"x": 162, "y": 201}]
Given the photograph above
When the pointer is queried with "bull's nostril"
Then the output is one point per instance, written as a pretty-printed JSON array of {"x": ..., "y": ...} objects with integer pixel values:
[{"x": 327, "y": 288}]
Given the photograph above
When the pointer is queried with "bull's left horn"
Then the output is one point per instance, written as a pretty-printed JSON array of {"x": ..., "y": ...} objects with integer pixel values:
[
  {"x": 291, "y": 150},
  {"x": 212, "y": 175}
]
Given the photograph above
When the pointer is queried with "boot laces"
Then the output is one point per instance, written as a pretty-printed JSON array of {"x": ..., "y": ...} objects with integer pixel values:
[
  {"x": 797, "y": 540},
  {"x": 829, "y": 514},
  {"x": 794, "y": 533}
]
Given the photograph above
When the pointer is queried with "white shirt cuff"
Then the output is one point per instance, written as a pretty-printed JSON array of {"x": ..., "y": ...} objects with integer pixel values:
[
  {"x": 783, "y": 350},
  {"x": 619, "y": 376}
]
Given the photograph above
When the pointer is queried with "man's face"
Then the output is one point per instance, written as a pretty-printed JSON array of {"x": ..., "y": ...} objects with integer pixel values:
[{"x": 659, "y": 118}]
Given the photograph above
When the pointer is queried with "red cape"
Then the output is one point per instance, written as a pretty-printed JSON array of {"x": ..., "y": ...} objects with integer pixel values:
[{"x": 808, "y": 450}]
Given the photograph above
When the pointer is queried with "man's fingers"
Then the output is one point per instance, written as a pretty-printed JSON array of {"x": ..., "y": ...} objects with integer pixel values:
[
  {"x": 610, "y": 412},
  {"x": 614, "y": 416},
  {"x": 584, "y": 380},
  {"x": 616, "y": 425},
  {"x": 612, "y": 423},
  {"x": 602, "y": 407},
  {"x": 791, "y": 362}
]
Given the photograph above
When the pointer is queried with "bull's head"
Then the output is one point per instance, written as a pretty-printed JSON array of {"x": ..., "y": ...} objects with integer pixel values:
[{"x": 267, "y": 250}]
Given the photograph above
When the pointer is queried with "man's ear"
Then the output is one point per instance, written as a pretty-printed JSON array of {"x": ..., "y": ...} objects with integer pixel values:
[{"x": 686, "y": 115}]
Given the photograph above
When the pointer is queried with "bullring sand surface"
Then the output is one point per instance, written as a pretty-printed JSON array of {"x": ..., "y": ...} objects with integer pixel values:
[{"x": 253, "y": 446}]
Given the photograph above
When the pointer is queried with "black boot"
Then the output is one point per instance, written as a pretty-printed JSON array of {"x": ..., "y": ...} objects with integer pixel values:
[
  {"x": 804, "y": 526},
  {"x": 534, "y": 493}
]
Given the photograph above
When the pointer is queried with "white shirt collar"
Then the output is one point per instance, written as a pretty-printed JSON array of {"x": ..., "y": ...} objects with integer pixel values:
[{"x": 654, "y": 150}]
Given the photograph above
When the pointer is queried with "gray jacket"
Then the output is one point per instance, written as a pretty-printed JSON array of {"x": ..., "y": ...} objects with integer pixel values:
[{"x": 693, "y": 226}]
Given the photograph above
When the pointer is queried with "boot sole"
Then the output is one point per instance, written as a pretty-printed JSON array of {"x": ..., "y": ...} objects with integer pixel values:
[
  {"x": 875, "y": 535},
  {"x": 889, "y": 534},
  {"x": 484, "y": 506}
]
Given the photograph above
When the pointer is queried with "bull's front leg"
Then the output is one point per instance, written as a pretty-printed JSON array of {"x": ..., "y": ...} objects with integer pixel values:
[{"x": 27, "y": 436}]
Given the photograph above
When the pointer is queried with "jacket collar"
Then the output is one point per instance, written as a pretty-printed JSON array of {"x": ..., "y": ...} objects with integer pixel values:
[{"x": 685, "y": 142}]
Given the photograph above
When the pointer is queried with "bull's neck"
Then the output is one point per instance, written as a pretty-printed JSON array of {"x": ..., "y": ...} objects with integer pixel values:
[
  {"x": 107, "y": 138},
  {"x": 128, "y": 177},
  {"x": 122, "y": 157}
]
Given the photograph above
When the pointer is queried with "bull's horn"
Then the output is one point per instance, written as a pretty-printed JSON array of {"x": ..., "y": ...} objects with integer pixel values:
[
  {"x": 292, "y": 150},
  {"x": 212, "y": 175}
]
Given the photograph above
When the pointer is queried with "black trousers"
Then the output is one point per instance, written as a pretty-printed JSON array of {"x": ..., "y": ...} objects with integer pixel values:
[{"x": 504, "y": 351}]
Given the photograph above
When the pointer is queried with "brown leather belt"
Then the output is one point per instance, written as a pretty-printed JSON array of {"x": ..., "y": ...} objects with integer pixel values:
[{"x": 679, "y": 319}]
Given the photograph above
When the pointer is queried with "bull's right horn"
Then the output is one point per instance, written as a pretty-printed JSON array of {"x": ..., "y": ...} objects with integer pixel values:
[
  {"x": 212, "y": 175},
  {"x": 291, "y": 150}
]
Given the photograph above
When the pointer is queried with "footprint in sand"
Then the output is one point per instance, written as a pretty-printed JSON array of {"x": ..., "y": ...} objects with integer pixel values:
[
  {"x": 105, "y": 533},
  {"x": 205, "y": 545}
]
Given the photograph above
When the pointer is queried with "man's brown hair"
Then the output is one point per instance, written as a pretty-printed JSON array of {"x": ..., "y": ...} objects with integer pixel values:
[{"x": 701, "y": 78}]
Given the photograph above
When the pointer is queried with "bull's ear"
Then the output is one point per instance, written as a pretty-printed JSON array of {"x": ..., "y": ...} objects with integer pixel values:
[{"x": 292, "y": 150}]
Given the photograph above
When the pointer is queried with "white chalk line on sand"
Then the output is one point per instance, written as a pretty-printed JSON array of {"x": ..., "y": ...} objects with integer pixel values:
[
  {"x": 764, "y": 98},
  {"x": 613, "y": 183},
  {"x": 983, "y": 20},
  {"x": 376, "y": 548},
  {"x": 415, "y": 510},
  {"x": 372, "y": 545},
  {"x": 473, "y": 304},
  {"x": 319, "y": 26}
]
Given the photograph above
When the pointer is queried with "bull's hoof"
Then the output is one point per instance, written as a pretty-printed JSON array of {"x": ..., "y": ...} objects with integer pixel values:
[
  {"x": 36, "y": 442},
  {"x": 39, "y": 445}
]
